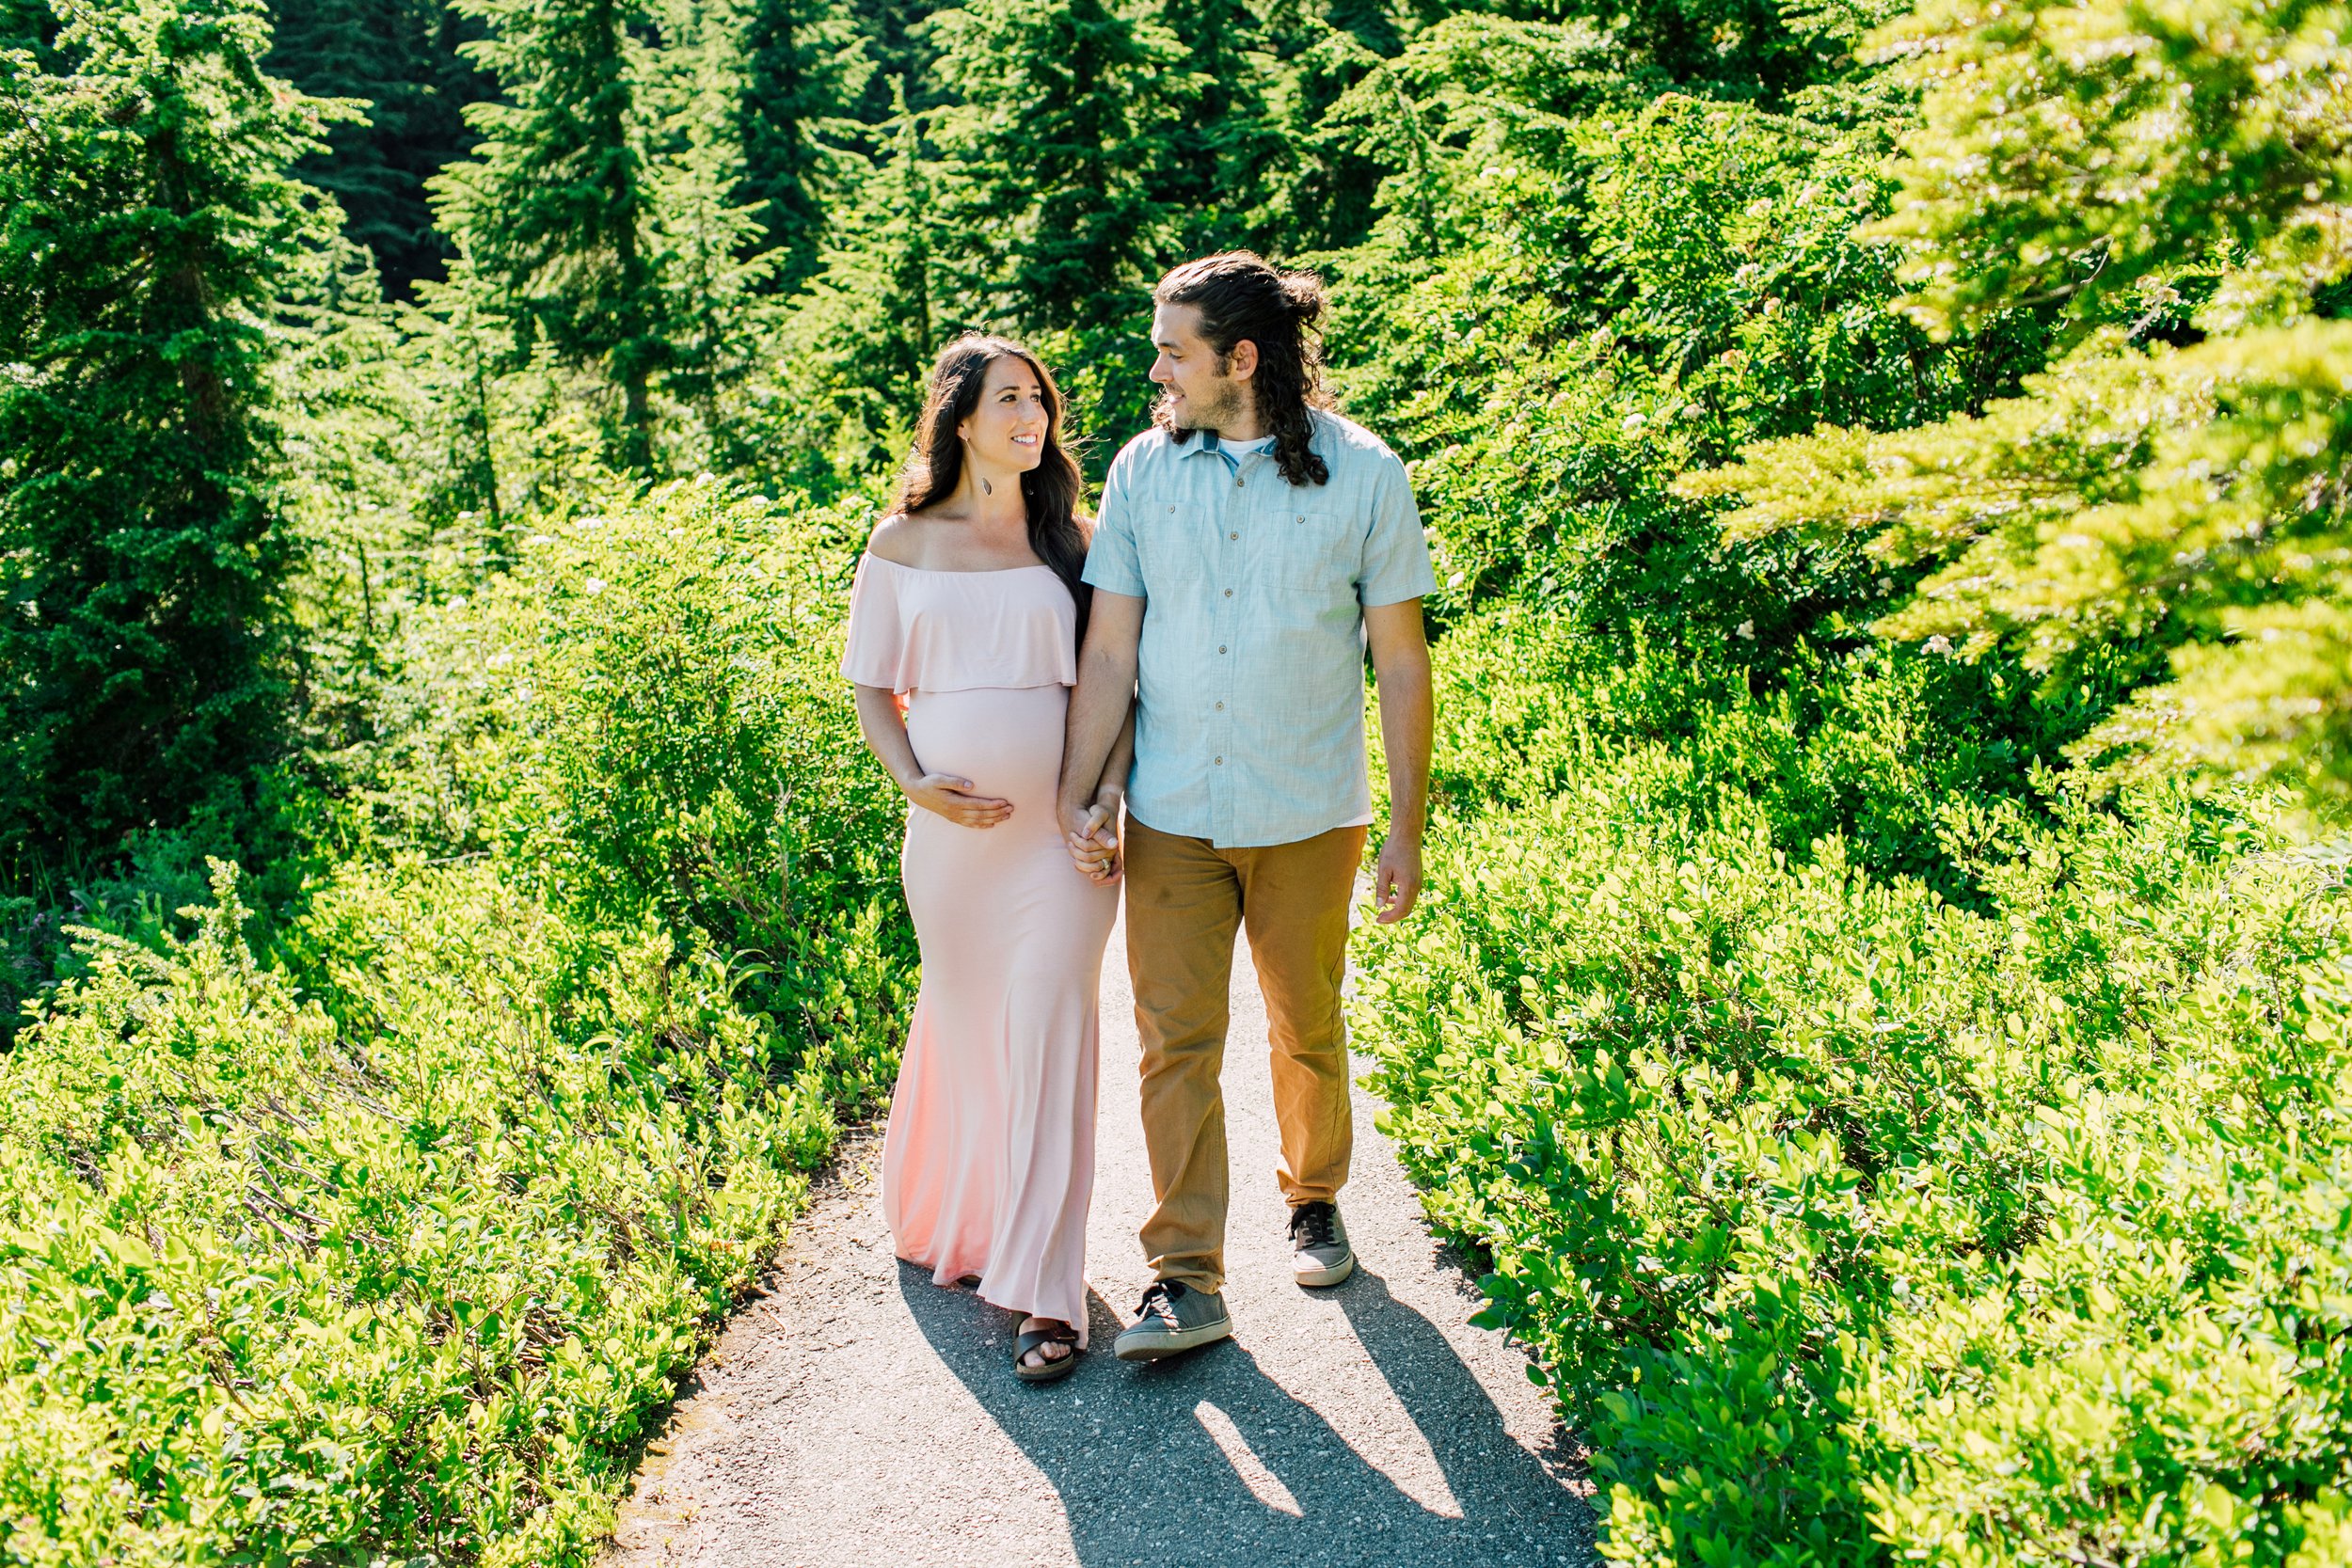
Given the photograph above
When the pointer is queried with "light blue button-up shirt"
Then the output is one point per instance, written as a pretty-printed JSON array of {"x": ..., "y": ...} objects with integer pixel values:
[{"x": 1250, "y": 725}]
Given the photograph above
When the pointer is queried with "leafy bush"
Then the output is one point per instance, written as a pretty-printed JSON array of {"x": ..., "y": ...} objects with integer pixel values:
[
  {"x": 165, "y": 871},
  {"x": 642, "y": 713},
  {"x": 402, "y": 1266},
  {"x": 277, "y": 1287},
  {"x": 1888, "y": 1156},
  {"x": 1867, "y": 746},
  {"x": 1848, "y": 1221}
]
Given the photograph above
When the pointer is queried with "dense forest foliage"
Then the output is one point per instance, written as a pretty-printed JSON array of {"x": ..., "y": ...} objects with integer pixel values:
[{"x": 1879, "y": 1019}]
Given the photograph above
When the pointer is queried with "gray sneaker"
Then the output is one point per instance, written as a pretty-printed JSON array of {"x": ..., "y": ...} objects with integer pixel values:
[
  {"x": 1319, "y": 1251},
  {"x": 1173, "y": 1318}
]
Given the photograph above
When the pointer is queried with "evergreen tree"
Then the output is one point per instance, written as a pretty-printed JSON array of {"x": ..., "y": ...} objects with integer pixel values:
[
  {"x": 1745, "y": 51},
  {"x": 149, "y": 226},
  {"x": 31, "y": 26},
  {"x": 1232, "y": 165},
  {"x": 599, "y": 208},
  {"x": 861, "y": 337},
  {"x": 901, "y": 47},
  {"x": 1056, "y": 149},
  {"x": 804, "y": 66},
  {"x": 454, "y": 354},
  {"x": 1318, "y": 194},
  {"x": 553, "y": 210},
  {"x": 402, "y": 56},
  {"x": 707, "y": 238},
  {"x": 2141, "y": 492}
]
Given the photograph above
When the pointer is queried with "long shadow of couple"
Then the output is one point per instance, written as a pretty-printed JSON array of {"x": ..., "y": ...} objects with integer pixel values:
[{"x": 1207, "y": 1459}]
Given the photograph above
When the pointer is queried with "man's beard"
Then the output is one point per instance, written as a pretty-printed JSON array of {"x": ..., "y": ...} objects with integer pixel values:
[{"x": 1215, "y": 415}]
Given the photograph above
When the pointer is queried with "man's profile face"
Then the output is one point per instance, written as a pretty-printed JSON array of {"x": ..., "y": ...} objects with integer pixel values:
[{"x": 1196, "y": 392}]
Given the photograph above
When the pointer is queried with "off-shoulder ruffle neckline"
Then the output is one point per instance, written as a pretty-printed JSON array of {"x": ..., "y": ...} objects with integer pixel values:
[{"x": 950, "y": 572}]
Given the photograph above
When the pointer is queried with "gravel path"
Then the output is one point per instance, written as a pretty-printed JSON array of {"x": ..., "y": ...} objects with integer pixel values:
[{"x": 857, "y": 1415}]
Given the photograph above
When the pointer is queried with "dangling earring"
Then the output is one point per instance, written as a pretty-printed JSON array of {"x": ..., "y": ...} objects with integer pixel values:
[{"x": 986, "y": 488}]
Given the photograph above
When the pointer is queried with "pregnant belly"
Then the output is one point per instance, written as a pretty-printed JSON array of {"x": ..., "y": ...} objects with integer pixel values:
[{"x": 1006, "y": 739}]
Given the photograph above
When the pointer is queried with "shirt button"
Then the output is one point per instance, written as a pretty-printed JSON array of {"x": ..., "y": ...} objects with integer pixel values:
[
  {"x": 1220, "y": 708},
  {"x": 1229, "y": 592},
  {"x": 1301, "y": 520},
  {"x": 1232, "y": 537},
  {"x": 1220, "y": 647},
  {"x": 1237, "y": 481},
  {"x": 1220, "y": 761}
]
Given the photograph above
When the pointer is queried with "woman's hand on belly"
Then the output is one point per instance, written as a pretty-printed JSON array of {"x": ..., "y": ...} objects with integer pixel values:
[{"x": 953, "y": 798}]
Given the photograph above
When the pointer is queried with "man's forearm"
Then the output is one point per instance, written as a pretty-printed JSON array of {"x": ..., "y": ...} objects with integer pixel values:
[
  {"x": 1122, "y": 757},
  {"x": 1406, "y": 722},
  {"x": 1098, "y": 711}
]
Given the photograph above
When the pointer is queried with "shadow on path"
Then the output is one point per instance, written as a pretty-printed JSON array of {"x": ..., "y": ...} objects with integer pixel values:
[{"x": 1208, "y": 1460}]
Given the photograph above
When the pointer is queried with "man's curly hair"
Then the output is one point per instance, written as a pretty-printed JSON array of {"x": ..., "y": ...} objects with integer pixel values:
[{"x": 1242, "y": 298}]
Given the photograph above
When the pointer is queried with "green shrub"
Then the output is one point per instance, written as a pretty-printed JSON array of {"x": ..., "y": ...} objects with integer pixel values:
[
  {"x": 643, "y": 713},
  {"x": 391, "y": 1246},
  {"x": 277, "y": 1289},
  {"x": 1866, "y": 745},
  {"x": 1846, "y": 1220}
]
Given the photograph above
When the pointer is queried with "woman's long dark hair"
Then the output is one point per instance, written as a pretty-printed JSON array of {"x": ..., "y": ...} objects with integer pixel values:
[
  {"x": 1050, "y": 491},
  {"x": 1239, "y": 296}
]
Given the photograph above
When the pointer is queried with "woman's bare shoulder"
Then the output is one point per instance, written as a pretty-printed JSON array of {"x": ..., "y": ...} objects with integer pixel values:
[{"x": 898, "y": 539}]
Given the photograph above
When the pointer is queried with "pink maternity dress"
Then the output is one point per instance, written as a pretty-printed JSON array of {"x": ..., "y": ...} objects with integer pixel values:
[{"x": 988, "y": 1163}]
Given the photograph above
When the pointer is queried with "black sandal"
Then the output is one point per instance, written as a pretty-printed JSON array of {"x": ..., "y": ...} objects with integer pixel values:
[{"x": 1055, "y": 1366}]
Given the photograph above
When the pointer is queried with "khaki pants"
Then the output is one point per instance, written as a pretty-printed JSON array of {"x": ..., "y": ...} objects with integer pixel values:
[{"x": 1184, "y": 899}]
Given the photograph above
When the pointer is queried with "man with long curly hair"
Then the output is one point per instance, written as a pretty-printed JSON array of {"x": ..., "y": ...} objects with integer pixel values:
[{"x": 1251, "y": 545}]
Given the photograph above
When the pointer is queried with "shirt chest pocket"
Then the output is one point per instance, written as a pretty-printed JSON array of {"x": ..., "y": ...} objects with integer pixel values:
[
  {"x": 1169, "y": 540},
  {"x": 1311, "y": 555}
]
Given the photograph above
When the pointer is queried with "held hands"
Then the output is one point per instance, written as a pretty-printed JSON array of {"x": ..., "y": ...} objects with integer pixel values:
[
  {"x": 1092, "y": 833},
  {"x": 952, "y": 799},
  {"x": 1396, "y": 879}
]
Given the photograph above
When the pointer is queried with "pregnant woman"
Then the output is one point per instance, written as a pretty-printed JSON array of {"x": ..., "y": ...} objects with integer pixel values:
[{"x": 962, "y": 645}]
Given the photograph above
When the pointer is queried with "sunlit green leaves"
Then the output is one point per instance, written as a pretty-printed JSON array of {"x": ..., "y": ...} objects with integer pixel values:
[
  {"x": 398, "y": 1266},
  {"x": 2095, "y": 152},
  {"x": 2188, "y": 167},
  {"x": 1851, "y": 1224}
]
